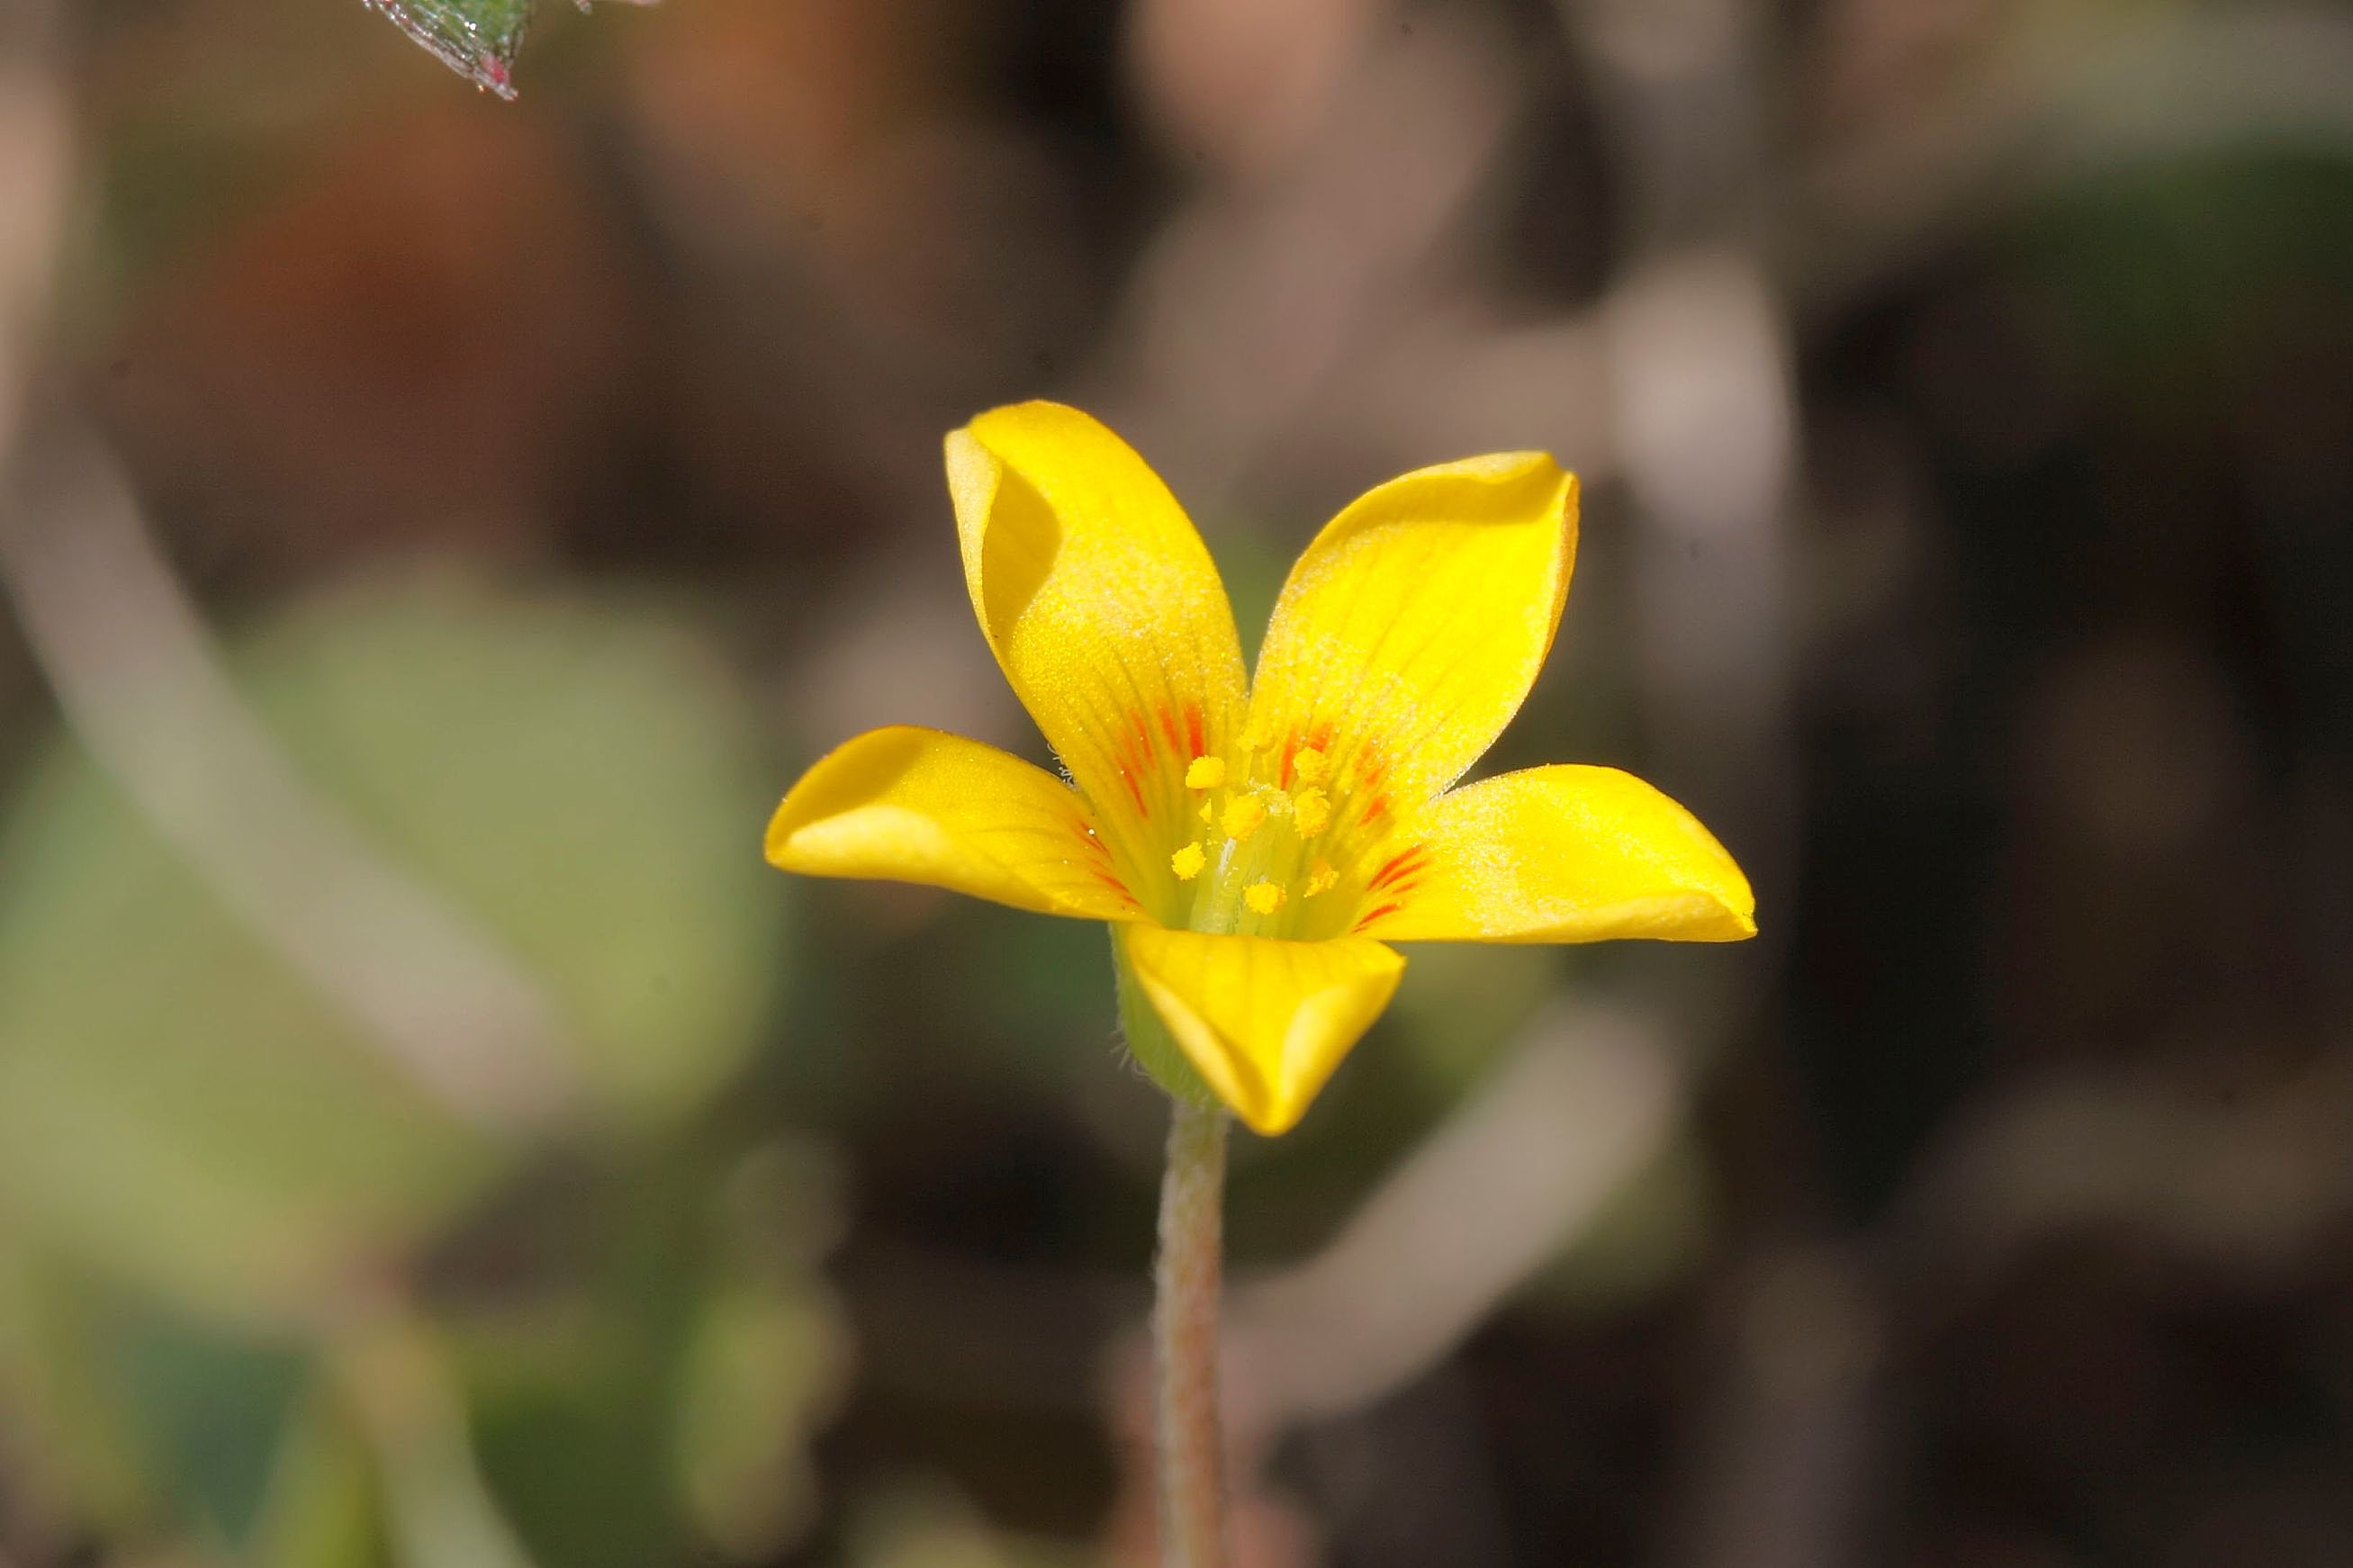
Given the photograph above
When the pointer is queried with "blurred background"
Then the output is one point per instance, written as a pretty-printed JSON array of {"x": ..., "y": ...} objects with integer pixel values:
[{"x": 434, "y": 530}]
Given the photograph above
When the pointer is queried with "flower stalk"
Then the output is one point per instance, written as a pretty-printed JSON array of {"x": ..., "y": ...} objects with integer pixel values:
[{"x": 1185, "y": 1338}]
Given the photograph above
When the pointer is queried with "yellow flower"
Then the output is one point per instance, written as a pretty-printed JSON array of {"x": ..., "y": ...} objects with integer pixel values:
[{"x": 1404, "y": 641}]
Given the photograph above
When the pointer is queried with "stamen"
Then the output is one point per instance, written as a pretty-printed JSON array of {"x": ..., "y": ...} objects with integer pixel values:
[
  {"x": 1264, "y": 897},
  {"x": 1205, "y": 773},
  {"x": 1310, "y": 764},
  {"x": 1311, "y": 810},
  {"x": 1208, "y": 812},
  {"x": 1258, "y": 737},
  {"x": 1320, "y": 879},
  {"x": 1187, "y": 862},
  {"x": 1243, "y": 813}
]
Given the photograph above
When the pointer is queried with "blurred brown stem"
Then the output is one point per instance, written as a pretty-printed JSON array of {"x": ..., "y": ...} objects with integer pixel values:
[{"x": 1185, "y": 1340}]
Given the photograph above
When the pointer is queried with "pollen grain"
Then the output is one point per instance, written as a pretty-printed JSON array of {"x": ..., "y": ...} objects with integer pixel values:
[{"x": 1311, "y": 810}]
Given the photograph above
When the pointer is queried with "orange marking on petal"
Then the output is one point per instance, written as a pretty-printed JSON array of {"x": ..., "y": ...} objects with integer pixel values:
[
  {"x": 1134, "y": 790},
  {"x": 1169, "y": 728},
  {"x": 1374, "y": 808},
  {"x": 1402, "y": 864},
  {"x": 1196, "y": 730},
  {"x": 1290, "y": 744},
  {"x": 1117, "y": 886},
  {"x": 1365, "y": 920}
]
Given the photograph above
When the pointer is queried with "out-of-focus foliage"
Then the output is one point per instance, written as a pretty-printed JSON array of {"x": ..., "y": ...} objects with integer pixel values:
[
  {"x": 476, "y": 39},
  {"x": 911, "y": 1525},
  {"x": 195, "y": 1139},
  {"x": 180, "y": 1106}
]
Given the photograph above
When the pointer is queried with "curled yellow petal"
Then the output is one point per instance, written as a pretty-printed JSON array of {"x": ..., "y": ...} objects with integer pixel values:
[
  {"x": 1411, "y": 629},
  {"x": 1263, "y": 1021},
  {"x": 1104, "y": 609},
  {"x": 1565, "y": 854},
  {"x": 907, "y": 805}
]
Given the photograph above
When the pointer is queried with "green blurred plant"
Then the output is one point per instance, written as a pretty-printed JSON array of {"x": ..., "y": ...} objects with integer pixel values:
[
  {"x": 476, "y": 39},
  {"x": 262, "y": 1297},
  {"x": 479, "y": 39}
]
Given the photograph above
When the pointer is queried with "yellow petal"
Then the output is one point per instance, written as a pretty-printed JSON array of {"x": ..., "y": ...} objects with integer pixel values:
[
  {"x": 915, "y": 806},
  {"x": 1413, "y": 626},
  {"x": 1264, "y": 1022},
  {"x": 1563, "y": 853},
  {"x": 1103, "y": 608}
]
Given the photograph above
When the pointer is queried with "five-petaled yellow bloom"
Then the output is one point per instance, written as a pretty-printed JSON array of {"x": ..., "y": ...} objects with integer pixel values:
[{"x": 1257, "y": 842}]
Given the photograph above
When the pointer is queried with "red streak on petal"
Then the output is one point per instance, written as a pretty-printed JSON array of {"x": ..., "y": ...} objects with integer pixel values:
[
  {"x": 1384, "y": 909},
  {"x": 1195, "y": 729},
  {"x": 1374, "y": 807},
  {"x": 1134, "y": 790},
  {"x": 1402, "y": 864},
  {"x": 1169, "y": 728}
]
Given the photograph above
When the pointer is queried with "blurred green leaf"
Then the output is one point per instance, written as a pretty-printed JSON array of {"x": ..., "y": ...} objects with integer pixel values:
[
  {"x": 577, "y": 778},
  {"x": 208, "y": 1409},
  {"x": 1651, "y": 1232},
  {"x": 153, "y": 1420},
  {"x": 324, "y": 1502},
  {"x": 666, "y": 1395},
  {"x": 54, "y": 1382},
  {"x": 761, "y": 1364},
  {"x": 477, "y": 38},
  {"x": 1466, "y": 999},
  {"x": 930, "y": 1525},
  {"x": 2169, "y": 275}
]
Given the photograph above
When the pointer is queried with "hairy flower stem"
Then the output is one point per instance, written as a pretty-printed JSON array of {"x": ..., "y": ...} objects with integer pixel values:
[{"x": 1185, "y": 1340}]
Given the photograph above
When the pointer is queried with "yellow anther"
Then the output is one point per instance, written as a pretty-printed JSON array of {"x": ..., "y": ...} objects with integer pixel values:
[
  {"x": 1311, "y": 812},
  {"x": 1264, "y": 897},
  {"x": 1187, "y": 862},
  {"x": 1208, "y": 811},
  {"x": 1243, "y": 813},
  {"x": 1320, "y": 879},
  {"x": 1258, "y": 736},
  {"x": 1205, "y": 773},
  {"x": 1310, "y": 764}
]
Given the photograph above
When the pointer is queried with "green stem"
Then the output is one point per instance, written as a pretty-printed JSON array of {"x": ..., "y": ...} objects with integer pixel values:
[{"x": 1185, "y": 1340}]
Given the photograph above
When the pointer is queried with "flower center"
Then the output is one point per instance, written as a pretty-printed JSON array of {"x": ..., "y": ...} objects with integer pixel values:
[{"x": 1260, "y": 867}]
